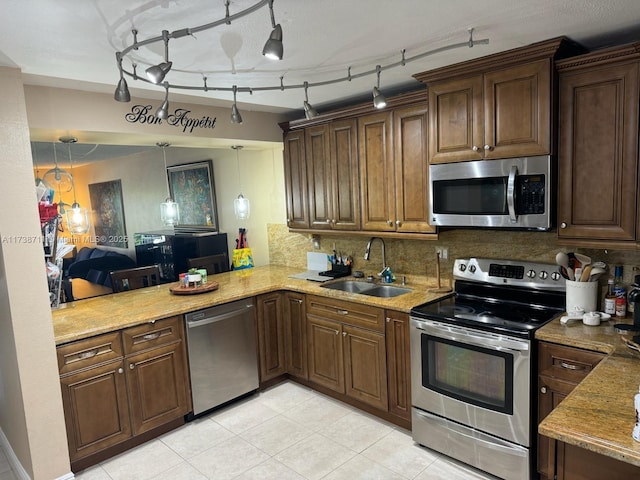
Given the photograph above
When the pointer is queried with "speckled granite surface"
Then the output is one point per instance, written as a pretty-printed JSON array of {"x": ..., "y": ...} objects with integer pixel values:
[
  {"x": 598, "y": 415},
  {"x": 93, "y": 316}
]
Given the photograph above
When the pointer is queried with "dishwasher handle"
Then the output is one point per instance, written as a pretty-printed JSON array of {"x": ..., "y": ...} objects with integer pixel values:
[{"x": 217, "y": 318}]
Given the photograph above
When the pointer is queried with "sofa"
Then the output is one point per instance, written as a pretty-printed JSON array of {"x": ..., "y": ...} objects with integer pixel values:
[{"x": 93, "y": 264}]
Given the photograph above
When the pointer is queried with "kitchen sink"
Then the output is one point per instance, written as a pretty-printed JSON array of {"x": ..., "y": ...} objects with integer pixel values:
[{"x": 366, "y": 288}]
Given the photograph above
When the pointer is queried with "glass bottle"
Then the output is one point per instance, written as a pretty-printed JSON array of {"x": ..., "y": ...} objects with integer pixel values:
[
  {"x": 610, "y": 299},
  {"x": 620, "y": 291}
]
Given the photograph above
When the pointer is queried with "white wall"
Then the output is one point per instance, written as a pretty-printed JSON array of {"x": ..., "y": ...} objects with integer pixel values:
[{"x": 31, "y": 415}]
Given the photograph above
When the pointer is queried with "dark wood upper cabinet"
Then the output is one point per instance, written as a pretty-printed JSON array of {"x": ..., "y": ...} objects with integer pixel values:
[
  {"x": 295, "y": 179},
  {"x": 598, "y": 148}
]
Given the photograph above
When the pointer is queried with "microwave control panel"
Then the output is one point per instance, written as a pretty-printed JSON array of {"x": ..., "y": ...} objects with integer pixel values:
[{"x": 531, "y": 194}]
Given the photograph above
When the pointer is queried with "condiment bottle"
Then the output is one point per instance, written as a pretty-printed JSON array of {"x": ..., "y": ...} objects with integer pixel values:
[
  {"x": 620, "y": 292},
  {"x": 610, "y": 299}
]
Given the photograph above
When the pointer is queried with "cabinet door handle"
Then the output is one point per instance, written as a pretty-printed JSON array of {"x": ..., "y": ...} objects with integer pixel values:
[
  {"x": 390, "y": 223},
  {"x": 570, "y": 366},
  {"x": 342, "y": 312},
  {"x": 337, "y": 332},
  {"x": 88, "y": 354},
  {"x": 487, "y": 147},
  {"x": 344, "y": 334},
  {"x": 298, "y": 301},
  {"x": 543, "y": 390},
  {"x": 120, "y": 370},
  {"x": 563, "y": 225},
  {"x": 398, "y": 223},
  {"x": 475, "y": 148},
  {"x": 388, "y": 319},
  {"x": 131, "y": 366}
]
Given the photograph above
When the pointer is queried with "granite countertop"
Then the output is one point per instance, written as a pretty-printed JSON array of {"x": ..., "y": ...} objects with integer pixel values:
[
  {"x": 93, "y": 316},
  {"x": 598, "y": 414}
]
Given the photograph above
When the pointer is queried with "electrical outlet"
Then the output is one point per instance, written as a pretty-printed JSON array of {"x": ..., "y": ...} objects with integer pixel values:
[{"x": 444, "y": 253}]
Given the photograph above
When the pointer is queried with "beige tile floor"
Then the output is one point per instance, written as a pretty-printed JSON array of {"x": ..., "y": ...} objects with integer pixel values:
[{"x": 287, "y": 432}]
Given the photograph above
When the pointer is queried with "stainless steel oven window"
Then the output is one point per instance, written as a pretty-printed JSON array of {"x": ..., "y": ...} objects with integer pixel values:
[{"x": 469, "y": 373}]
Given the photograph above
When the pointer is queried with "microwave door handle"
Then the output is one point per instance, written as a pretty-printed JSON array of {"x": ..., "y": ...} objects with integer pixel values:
[{"x": 511, "y": 191}]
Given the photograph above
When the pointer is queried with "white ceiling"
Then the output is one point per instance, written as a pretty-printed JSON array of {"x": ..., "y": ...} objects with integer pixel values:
[{"x": 72, "y": 44}]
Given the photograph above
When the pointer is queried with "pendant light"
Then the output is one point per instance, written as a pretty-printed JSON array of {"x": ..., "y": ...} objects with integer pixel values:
[
  {"x": 77, "y": 217},
  {"x": 57, "y": 178},
  {"x": 169, "y": 210},
  {"x": 379, "y": 100},
  {"x": 241, "y": 205}
]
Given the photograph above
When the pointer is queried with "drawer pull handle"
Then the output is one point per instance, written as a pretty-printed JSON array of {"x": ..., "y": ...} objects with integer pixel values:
[
  {"x": 151, "y": 336},
  {"x": 342, "y": 312},
  {"x": 543, "y": 390},
  {"x": 570, "y": 366},
  {"x": 88, "y": 354}
]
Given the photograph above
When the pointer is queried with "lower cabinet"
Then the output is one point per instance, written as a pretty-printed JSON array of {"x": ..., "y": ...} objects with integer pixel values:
[
  {"x": 122, "y": 384},
  {"x": 347, "y": 351},
  {"x": 560, "y": 369},
  {"x": 398, "y": 363},
  {"x": 271, "y": 347},
  {"x": 295, "y": 335},
  {"x": 575, "y": 463}
]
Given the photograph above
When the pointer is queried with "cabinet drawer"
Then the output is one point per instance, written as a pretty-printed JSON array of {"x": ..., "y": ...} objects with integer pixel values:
[
  {"x": 347, "y": 312},
  {"x": 89, "y": 352},
  {"x": 567, "y": 363},
  {"x": 152, "y": 335}
]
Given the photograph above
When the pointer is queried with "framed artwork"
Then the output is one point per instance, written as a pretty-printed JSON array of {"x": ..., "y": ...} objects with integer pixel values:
[
  {"x": 106, "y": 202},
  {"x": 192, "y": 187}
]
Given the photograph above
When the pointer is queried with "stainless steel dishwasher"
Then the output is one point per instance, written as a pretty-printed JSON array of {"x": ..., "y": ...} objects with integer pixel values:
[{"x": 223, "y": 360}]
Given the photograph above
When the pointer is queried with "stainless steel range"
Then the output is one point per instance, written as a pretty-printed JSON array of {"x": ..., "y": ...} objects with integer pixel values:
[{"x": 473, "y": 360}]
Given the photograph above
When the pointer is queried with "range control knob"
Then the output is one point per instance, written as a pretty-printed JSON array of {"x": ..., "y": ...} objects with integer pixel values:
[
  {"x": 543, "y": 275},
  {"x": 472, "y": 268},
  {"x": 462, "y": 267},
  {"x": 555, "y": 276},
  {"x": 531, "y": 274}
]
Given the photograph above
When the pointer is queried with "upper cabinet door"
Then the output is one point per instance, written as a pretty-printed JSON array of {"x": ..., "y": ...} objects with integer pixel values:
[
  {"x": 318, "y": 176},
  {"x": 376, "y": 172},
  {"x": 598, "y": 153},
  {"x": 517, "y": 111},
  {"x": 456, "y": 117},
  {"x": 345, "y": 198},
  {"x": 295, "y": 179},
  {"x": 411, "y": 169}
]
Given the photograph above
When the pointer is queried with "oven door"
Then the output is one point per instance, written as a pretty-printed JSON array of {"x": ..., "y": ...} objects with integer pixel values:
[{"x": 476, "y": 378}]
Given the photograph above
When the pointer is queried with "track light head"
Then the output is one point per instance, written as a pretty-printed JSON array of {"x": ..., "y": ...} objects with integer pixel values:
[
  {"x": 235, "y": 115},
  {"x": 309, "y": 111},
  {"x": 122, "y": 91},
  {"x": 157, "y": 73},
  {"x": 273, "y": 48},
  {"x": 163, "y": 111},
  {"x": 379, "y": 100}
]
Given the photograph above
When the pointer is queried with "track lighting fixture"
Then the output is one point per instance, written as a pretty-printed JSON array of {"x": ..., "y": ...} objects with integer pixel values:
[
  {"x": 379, "y": 100},
  {"x": 273, "y": 49},
  {"x": 163, "y": 111},
  {"x": 309, "y": 111},
  {"x": 235, "y": 113},
  {"x": 122, "y": 90},
  {"x": 157, "y": 73}
]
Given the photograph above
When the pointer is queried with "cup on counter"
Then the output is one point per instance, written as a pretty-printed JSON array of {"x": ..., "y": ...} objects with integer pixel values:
[
  {"x": 582, "y": 295},
  {"x": 591, "y": 318}
]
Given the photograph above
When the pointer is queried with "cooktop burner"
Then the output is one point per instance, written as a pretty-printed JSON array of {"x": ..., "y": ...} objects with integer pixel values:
[{"x": 500, "y": 300}]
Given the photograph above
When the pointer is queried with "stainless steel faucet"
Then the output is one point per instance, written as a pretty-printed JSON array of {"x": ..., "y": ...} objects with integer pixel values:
[{"x": 367, "y": 252}]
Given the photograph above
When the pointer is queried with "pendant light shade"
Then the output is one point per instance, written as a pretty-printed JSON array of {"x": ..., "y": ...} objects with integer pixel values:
[
  {"x": 156, "y": 73},
  {"x": 273, "y": 48},
  {"x": 379, "y": 100},
  {"x": 77, "y": 216},
  {"x": 57, "y": 179},
  {"x": 241, "y": 205},
  {"x": 169, "y": 210}
]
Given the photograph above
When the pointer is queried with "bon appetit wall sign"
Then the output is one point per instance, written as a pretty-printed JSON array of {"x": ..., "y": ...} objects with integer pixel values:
[{"x": 145, "y": 114}]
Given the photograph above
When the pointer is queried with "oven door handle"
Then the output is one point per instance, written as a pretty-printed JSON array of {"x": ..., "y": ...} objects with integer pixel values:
[
  {"x": 511, "y": 194},
  {"x": 461, "y": 335},
  {"x": 489, "y": 442}
]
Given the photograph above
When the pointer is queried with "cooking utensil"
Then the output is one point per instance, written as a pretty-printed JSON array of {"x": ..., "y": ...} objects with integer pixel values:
[
  {"x": 574, "y": 263},
  {"x": 583, "y": 259},
  {"x": 562, "y": 259},
  {"x": 595, "y": 273},
  {"x": 586, "y": 272},
  {"x": 601, "y": 265}
]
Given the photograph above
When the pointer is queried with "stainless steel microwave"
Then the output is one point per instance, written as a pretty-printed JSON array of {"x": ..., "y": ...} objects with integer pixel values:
[{"x": 514, "y": 193}]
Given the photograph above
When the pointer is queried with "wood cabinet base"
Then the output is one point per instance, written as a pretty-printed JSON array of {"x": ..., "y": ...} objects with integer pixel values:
[{"x": 575, "y": 463}]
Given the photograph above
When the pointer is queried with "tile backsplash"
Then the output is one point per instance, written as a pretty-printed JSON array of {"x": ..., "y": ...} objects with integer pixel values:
[{"x": 417, "y": 257}]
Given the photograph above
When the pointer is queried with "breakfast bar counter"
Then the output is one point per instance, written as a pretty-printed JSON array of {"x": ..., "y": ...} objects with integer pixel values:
[
  {"x": 598, "y": 415},
  {"x": 94, "y": 316}
]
